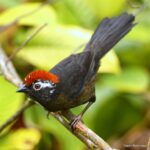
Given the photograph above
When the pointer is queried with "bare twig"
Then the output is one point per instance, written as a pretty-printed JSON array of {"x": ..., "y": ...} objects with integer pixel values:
[
  {"x": 139, "y": 8},
  {"x": 15, "y": 22},
  {"x": 8, "y": 71},
  {"x": 16, "y": 115},
  {"x": 26, "y": 42},
  {"x": 148, "y": 144},
  {"x": 86, "y": 135},
  {"x": 89, "y": 143}
]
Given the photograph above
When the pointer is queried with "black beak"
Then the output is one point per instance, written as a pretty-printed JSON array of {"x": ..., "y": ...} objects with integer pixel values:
[{"x": 22, "y": 88}]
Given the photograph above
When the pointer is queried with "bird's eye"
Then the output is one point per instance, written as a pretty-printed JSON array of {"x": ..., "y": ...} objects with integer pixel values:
[{"x": 37, "y": 87}]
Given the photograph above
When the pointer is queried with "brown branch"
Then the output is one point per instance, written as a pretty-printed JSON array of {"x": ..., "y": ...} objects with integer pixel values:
[
  {"x": 8, "y": 70},
  {"x": 89, "y": 143},
  {"x": 16, "y": 115},
  {"x": 88, "y": 133},
  {"x": 85, "y": 134},
  {"x": 148, "y": 144},
  {"x": 26, "y": 42}
]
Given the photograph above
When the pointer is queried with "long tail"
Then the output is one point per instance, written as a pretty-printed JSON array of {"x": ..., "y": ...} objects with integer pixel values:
[{"x": 108, "y": 33}]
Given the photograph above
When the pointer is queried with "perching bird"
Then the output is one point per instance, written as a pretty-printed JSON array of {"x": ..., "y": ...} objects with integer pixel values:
[{"x": 72, "y": 81}]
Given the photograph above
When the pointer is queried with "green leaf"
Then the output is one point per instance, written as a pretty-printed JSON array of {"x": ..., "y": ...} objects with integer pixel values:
[
  {"x": 21, "y": 139},
  {"x": 9, "y": 100},
  {"x": 72, "y": 13},
  {"x": 8, "y": 3},
  {"x": 64, "y": 37},
  {"x": 140, "y": 34},
  {"x": 105, "y": 8},
  {"x": 45, "y": 14},
  {"x": 116, "y": 115},
  {"x": 135, "y": 45},
  {"x": 42, "y": 57},
  {"x": 110, "y": 63},
  {"x": 132, "y": 80}
]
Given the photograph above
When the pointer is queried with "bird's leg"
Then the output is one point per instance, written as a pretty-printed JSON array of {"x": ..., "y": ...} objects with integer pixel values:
[
  {"x": 78, "y": 118},
  {"x": 48, "y": 113}
]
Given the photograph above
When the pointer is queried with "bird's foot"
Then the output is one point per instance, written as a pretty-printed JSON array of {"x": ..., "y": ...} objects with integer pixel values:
[{"x": 75, "y": 121}]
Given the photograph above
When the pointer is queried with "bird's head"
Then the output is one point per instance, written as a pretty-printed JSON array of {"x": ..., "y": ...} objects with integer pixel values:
[{"x": 39, "y": 85}]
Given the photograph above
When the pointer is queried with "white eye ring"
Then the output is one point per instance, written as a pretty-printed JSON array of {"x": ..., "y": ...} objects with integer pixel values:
[{"x": 37, "y": 86}]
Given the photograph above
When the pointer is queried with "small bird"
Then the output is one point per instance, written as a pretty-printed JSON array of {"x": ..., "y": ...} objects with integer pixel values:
[{"x": 72, "y": 81}]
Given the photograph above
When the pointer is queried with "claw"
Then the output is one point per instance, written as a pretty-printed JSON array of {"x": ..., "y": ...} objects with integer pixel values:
[{"x": 75, "y": 121}]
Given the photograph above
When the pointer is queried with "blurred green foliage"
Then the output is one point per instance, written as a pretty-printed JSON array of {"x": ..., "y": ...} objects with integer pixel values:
[{"x": 120, "y": 89}]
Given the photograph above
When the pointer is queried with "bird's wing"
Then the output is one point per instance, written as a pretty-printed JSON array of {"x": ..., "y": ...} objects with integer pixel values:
[{"x": 72, "y": 72}]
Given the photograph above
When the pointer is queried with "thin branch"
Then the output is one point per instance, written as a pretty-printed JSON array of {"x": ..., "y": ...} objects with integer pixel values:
[
  {"x": 86, "y": 135},
  {"x": 16, "y": 115},
  {"x": 148, "y": 144},
  {"x": 59, "y": 117},
  {"x": 8, "y": 70},
  {"x": 26, "y": 42},
  {"x": 139, "y": 8}
]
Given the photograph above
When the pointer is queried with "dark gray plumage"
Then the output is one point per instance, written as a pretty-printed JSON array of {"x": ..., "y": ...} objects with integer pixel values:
[{"x": 77, "y": 72}]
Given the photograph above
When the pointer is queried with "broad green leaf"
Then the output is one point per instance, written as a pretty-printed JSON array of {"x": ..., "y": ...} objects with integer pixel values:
[
  {"x": 25, "y": 139},
  {"x": 64, "y": 37},
  {"x": 132, "y": 80},
  {"x": 140, "y": 33},
  {"x": 51, "y": 45},
  {"x": 72, "y": 13},
  {"x": 110, "y": 63},
  {"x": 106, "y": 8},
  {"x": 138, "y": 36},
  {"x": 43, "y": 58},
  {"x": 134, "y": 49},
  {"x": 8, "y": 3},
  {"x": 45, "y": 14},
  {"x": 116, "y": 115},
  {"x": 64, "y": 14},
  {"x": 9, "y": 100}
]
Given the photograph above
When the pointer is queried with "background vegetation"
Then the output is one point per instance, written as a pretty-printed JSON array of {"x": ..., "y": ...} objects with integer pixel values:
[{"x": 121, "y": 113}]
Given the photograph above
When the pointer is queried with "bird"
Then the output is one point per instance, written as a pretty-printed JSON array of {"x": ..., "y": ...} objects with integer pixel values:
[{"x": 71, "y": 82}]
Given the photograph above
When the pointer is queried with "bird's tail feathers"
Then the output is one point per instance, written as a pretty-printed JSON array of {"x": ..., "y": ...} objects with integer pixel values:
[{"x": 108, "y": 33}]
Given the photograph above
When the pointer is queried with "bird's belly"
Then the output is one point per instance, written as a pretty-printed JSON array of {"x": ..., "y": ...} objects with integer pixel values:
[{"x": 63, "y": 102}]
